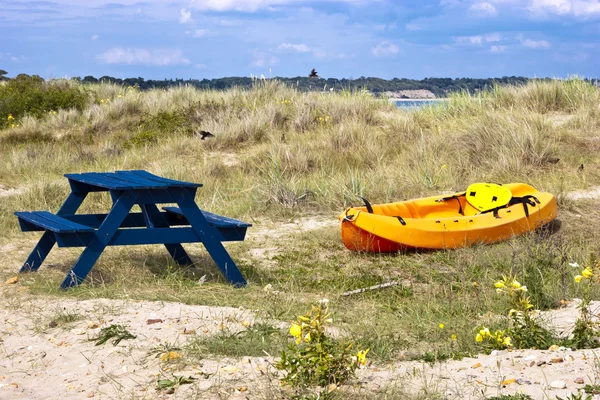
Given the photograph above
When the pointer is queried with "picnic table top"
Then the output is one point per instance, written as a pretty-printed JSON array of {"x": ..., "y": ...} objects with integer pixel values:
[{"x": 128, "y": 180}]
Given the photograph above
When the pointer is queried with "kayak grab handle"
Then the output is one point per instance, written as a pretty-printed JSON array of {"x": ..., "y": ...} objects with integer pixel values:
[{"x": 350, "y": 218}]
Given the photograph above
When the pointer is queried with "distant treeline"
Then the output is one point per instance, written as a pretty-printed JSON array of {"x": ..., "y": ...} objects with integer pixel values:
[{"x": 439, "y": 86}]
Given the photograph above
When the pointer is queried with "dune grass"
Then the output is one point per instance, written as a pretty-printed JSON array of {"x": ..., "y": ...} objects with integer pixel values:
[{"x": 279, "y": 154}]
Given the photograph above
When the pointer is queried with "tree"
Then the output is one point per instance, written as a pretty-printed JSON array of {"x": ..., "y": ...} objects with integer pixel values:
[
  {"x": 2, "y": 73},
  {"x": 313, "y": 74}
]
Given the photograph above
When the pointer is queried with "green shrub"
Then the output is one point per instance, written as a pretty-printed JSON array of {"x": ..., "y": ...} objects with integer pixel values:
[
  {"x": 316, "y": 359},
  {"x": 31, "y": 95}
]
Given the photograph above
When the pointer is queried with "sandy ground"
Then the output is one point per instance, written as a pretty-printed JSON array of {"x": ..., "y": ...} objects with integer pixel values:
[{"x": 43, "y": 362}]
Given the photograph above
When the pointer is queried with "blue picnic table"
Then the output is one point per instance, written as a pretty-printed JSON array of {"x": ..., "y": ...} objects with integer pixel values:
[{"x": 120, "y": 227}]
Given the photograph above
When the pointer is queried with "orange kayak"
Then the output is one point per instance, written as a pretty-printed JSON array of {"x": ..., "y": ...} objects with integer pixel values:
[{"x": 485, "y": 213}]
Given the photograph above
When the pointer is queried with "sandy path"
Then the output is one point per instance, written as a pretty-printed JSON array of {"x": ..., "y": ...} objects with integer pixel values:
[{"x": 40, "y": 362}]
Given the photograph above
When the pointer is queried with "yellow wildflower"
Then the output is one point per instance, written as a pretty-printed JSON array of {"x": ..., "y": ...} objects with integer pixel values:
[
  {"x": 479, "y": 338},
  {"x": 578, "y": 278},
  {"x": 524, "y": 288},
  {"x": 485, "y": 332},
  {"x": 453, "y": 337},
  {"x": 10, "y": 117},
  {"x": 499, "y": 290},
  {"x": 507, "y": 342},
  {"x": 444, "y": 166},
  {"x": 587, "y": 273},
  {"x": 441, "y": 326},
  {"x": 499, "y": 284},
  {"x": 515, "y": 284},
  {"x": 307, "y": 337},
  {"x": 295, "y": 330},
  {"x": 120, "y": 96},
  {"x": 361, "y": 357}
]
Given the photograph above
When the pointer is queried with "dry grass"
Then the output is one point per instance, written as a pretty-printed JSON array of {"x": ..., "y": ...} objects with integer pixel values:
[{"x": 281, "y": 154}]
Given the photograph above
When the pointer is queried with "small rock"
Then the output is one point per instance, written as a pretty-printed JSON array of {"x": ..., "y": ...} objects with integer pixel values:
[
  {"x": 92, "y": 324},
  {"x": 476, "y": 365},
  {"x": 579, "y": 381},
  {"x": 78, "y": 331},
  {"x": 558, "y": 384},
  {"x": 170, "y": 391},
  {"x": 523, "y": 381},
  {"x": 531, "y": 364},
  {"x": 540, "y": 363},
  {"x": 189, "y": 331},
  {"x": 529, "y": 358},
  {"x": 494, "y": 353},
  {"x": 154, "y": 321},
  {"x": 53, "y": 324},
  {"x": 204, "y": 385},
  {"x": 12, "y": 280},
  {"x": 553, "y": 348},
  {"x": 561, "y": 348},
  {"x": 557, "y": 360}
]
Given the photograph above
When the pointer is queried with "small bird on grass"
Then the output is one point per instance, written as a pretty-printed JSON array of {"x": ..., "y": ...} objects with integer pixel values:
[{"x": 205, "y": 134}]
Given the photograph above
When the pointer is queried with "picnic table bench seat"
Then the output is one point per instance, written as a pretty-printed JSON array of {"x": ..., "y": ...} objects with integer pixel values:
[{"x": 44, "y": 220}]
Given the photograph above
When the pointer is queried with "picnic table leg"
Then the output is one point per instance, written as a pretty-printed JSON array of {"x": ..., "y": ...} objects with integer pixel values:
[
  {"x": 210, "y": 236},
  {"x": 47, "y": 241},
  {"x": 154, "y": 219},
  {"x": 103, "y": 236}
]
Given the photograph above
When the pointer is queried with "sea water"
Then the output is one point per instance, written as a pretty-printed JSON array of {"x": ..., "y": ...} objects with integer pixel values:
[{"x": 415, "y": 103}]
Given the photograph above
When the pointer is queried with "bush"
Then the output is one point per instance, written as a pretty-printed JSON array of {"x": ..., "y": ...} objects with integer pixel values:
[
  {"x": 31, "y": 95},
  {"x": 316, "y": 359}
]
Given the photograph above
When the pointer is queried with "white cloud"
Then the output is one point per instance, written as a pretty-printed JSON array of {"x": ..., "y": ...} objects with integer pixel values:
[
  {"x": 484, "y": 8},
  {"x": 95, "y": 37},
  {"x": 498, "y": 49},
  {"x": 478, "y": 39},
  {"x": 185, "y": 16},
  {"x": 577, "y": 8},
  {"x": 247, "y": 5},
  {"x": 411, "y": 26},
  {"x": 560, "y": 7},
  {"x": 385, "y": 48},
  {"x": 198, "y": 33},
  {"x": 262, "y": 59},
  {"x": 315, "y": 51},
  {"x": 8, "y": 56},
  {"x": 155, "y": 57},
  {"x": 298, "y": 48},
  {"x": 535, "y": 44}
]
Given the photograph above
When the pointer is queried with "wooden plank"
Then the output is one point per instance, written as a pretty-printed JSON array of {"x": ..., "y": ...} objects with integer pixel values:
[
  {"x": 102, "y": 238},
  {"x": 213, "y": 219},
  {"x": 94, "y": 179},
  {"x": 169, "y": 182},
  {"x": 52, "y": 222},
  {"x": 130, "y": 179},
  {"x": 211, "y": 237}
]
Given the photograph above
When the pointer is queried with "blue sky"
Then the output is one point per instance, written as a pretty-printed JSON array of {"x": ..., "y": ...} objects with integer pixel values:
[{"x": 157, "y": 39}]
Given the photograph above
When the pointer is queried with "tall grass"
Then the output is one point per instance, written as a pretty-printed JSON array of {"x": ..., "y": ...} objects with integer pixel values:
[{"x": 311, "y": 151}]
